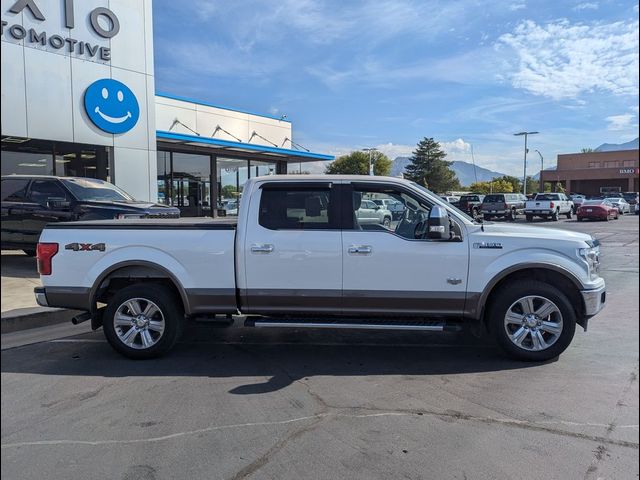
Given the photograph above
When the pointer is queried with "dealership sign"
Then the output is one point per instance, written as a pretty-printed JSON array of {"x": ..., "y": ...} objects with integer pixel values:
[
  {"x": 111, "y": 106},
  {"x": 102, "y": 20},
  {"x": 626, "y": 171}
]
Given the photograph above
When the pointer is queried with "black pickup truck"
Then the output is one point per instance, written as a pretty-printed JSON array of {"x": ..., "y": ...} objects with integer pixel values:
[{"x": 29, "y": 202}]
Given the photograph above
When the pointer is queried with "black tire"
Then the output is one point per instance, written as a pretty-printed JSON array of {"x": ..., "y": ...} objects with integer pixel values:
[
  {"x": 512, "y": 215},
  {"x": 30, "y": 252},
  {"x": 386, "y": 223},
  {"x": 170, "y": 308},
  {"x": 569, "y": 214},
  {"x": 508, "y": 296},
  {"x": 529, "y": 218},
  {"x": 555, "y": 215}
]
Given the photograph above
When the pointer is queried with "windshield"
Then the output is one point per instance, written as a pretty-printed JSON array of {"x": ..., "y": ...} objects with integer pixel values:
[
  {"x": 451, "y": 207},
  {"x": 93, "y": 190}
]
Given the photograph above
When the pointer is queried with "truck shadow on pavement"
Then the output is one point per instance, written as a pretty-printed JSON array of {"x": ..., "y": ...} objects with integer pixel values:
[
  {"x": 277, "y": 357},
  {"x": 18, "y": 265}
]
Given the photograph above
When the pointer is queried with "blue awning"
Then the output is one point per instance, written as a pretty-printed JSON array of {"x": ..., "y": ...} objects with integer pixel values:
[{"x": 285, "y": 154}]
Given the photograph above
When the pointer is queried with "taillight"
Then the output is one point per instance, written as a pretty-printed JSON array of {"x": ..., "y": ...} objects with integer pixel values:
[
  {"x": 44, "y": 253},
  {"x": 551, "y": 205}
]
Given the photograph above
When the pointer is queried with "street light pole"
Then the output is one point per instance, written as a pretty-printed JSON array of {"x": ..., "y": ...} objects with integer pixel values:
[
  {"x": 370, "y": 150},
  {"x": 524, "y": 180}
]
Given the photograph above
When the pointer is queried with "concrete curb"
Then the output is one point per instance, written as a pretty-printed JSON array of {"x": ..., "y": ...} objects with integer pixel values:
[{"x": 26, "y": 318}]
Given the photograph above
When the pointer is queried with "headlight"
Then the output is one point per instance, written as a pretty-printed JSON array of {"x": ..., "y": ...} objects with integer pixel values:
[{"x": 591, "y": 257}]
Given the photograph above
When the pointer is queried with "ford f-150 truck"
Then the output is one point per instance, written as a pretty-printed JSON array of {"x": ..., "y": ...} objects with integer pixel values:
[
  {"x": 298, "y": 257},
  {"x": 548, "y": 205}
]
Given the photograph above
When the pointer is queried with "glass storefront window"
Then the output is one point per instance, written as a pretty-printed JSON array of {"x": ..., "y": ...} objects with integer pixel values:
[
  {"x": 191, "y": 184},
  {"x": 26, "y": 163},
  {"x": 44, "y": 157},
  {"x": 164, "y": 177},
  {"x": 231, "y": 176},
  {"x": 258, "y": 168}
]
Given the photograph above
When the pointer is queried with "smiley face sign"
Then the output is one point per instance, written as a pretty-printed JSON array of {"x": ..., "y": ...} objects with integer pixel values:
[{"x": 111, "y": 106}]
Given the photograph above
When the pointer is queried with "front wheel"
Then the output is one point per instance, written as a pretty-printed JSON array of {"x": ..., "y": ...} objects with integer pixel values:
[
  {"x": 143, "y": 321},
  {"x": 569, "y": 214},
  {"x": 532, "y": 321},
  {"x": 386, "y": 223}
]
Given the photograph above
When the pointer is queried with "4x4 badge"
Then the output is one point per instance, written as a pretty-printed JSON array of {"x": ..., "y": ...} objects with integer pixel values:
[{"x": 85, "y": 247}]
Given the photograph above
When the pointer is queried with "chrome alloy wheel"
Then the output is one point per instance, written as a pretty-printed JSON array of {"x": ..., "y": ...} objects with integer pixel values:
[
  {"x": 533, "y": 323},
  {"x": 139, "y": 323}
]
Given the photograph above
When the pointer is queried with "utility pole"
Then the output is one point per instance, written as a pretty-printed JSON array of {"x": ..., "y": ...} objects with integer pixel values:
[
  {"x": 526, "y": 150},
  {"x": 370, "y": 150}
]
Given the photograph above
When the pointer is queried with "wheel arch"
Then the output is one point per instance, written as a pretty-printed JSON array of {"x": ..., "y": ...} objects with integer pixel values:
[
  {"x": 554, "y": 275},
  {"x": 132, "y": 271}
]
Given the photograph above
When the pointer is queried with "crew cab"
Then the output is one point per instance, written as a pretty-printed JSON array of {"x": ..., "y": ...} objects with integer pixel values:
[
  {"x": 297, "y": 256},
  {"x": 549, "y": 205}
]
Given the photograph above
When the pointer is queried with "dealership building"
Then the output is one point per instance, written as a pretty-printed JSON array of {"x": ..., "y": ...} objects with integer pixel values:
[
  {"x": 79, "y": 99},
  {"x": 594, "y": 173}
]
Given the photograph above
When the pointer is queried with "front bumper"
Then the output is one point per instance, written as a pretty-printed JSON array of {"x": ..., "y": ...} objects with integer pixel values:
[{"x": 594, "y": 300}]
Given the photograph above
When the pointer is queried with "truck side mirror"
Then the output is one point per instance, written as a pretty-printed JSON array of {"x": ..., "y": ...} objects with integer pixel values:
[{"x": 438, "y": 224}]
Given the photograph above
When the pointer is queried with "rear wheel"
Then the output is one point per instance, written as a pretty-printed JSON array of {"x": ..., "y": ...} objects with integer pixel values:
[
  {"x": 143, "y": 321},
  {"x": 555, "y": 215},
  {"x": 386, "y": 223},
  {"x": 532, "y": 321},
  {"x": 513, "y": 215}
]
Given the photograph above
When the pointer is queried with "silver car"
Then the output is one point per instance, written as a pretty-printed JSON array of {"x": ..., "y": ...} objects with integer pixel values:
[
  {"x": 370, "y": 213},
  {"x": 621, "y": 204}
]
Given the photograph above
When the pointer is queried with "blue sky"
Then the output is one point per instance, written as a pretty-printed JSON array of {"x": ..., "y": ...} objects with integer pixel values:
[{"x": 385, "y": 73}]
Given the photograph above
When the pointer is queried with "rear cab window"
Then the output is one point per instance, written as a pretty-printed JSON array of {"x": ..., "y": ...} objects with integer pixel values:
[
  {"x": 493, "y": 199},
  {"x": 14, "y": 189},
  {"x": 298, "y": 208}
]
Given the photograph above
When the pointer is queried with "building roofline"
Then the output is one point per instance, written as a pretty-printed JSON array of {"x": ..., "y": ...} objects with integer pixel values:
[{"x": 207, "y": 104}]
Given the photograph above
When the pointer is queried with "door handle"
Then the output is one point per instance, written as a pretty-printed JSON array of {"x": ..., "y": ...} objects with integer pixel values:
[
  {"x": 360, "y": 250},
  {"x": 261, "y": 248}
]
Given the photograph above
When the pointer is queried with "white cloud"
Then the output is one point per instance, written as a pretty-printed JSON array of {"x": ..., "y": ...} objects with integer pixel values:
[
  {"x": 517, "y": 6},
  {"x": 563, "y": 60},
  {"x": 621, "y": 122},
  {"x": 586, "y": 6}
]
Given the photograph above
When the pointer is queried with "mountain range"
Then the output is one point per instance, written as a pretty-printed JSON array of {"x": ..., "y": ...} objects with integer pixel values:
[
  {"x": 463, "y": 170},
  {"x": 611, "y": 147}
]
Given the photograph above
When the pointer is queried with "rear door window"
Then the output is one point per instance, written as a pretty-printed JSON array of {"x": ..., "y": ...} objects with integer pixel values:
[
  {"x": 14, "y": 189},
  {"x": 297, "y": 209},
  {"x": 42, "y": 191}
]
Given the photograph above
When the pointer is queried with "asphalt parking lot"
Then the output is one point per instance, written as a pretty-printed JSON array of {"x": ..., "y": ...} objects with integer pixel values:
[{"x": 245, "y": 403}]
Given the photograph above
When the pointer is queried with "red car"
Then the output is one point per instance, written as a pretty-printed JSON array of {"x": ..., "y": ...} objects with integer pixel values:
[{"x": 597, "y": 210}]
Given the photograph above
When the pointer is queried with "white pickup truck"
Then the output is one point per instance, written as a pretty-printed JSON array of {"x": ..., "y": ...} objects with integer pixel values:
[
  {"x": 549, "y": 205},
  {"x": 297, "y": 257}
]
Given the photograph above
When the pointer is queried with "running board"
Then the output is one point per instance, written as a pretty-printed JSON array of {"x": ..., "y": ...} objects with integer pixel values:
[{"x": 353, "y": 324}]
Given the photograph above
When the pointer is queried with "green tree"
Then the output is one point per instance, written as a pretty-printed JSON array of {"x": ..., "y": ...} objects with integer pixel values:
[
  {"x": 516, "y": 184},
  {"x": 586, "y": 150},
  {"x": 496, "y": 186},
  {"x": 357, "y": 163},
  {"x": 229, "y": 191},
  {"x": 428, "y": 167},
  {"x": 532, "y": 185}
]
